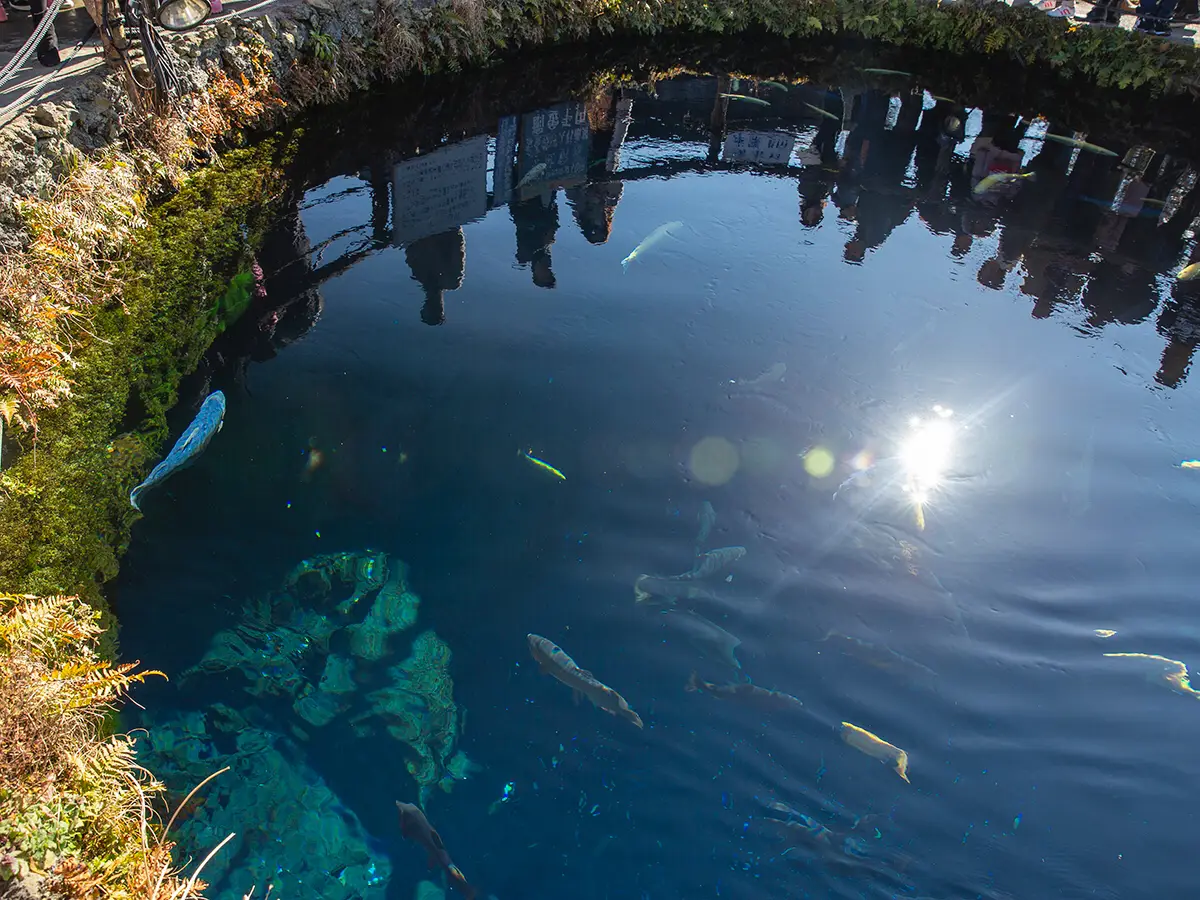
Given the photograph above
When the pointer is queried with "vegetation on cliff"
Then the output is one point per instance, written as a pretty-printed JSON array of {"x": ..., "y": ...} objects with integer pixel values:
[{"x": 76, "y": 814}]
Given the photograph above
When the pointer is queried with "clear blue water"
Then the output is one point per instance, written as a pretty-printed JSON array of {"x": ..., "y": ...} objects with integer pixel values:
[{"x": 984, "y": 547}]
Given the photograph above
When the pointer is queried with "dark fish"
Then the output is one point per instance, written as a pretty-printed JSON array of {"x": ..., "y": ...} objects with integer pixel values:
[
  {"x": 878, "y": 657},
  {"x": 713, "y": 562},
  {"x": 709, "y": 638},
  {"x": 750, "y": 694},
  {"x": 656, "y": 590},
  {"x": 552, "y": 660},
  {"x": 416, "y": 828},
  {"x": 190, "y": 445}
]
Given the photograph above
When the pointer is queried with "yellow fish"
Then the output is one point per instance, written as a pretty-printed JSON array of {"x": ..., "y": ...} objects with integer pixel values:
[
  {"x": 545, "y": 466},
  {"x": 1104, "y": 632},
  {"x": 1190, "y": 464},
  {"x": 1187, "y": 273},
  {"x": 1082, "y": 145},
  {"x": 824, "y": 112},
  {"x": 876, "y": 747},
  {"x": 990, "y": 181},
  {"x": 1174, "y": 673}
]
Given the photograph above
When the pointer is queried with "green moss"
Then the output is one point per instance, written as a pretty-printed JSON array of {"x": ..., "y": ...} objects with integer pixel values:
[{"x": 65, "y": 514}]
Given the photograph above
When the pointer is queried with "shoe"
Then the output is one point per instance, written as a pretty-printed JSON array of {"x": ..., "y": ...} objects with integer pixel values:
[
  {"x": 48, "y": 56},
  {"x": 1100, "y": 15},
  {"x": 1162, "y": 28},
  {"x": 1063, "y": 10}
]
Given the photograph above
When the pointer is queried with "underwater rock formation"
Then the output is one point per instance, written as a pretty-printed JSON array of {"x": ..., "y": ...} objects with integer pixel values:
[
  {"x": 291, "y": 829},
  {"x": 290, "y": 645},
  {"x": 418, "y": 710}
]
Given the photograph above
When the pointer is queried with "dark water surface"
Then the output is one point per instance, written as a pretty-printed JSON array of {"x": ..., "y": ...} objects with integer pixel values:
[{"x": 1036, "y": 335}]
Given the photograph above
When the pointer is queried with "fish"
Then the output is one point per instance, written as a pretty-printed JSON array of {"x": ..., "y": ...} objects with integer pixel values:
[
  {"x": 807, "y": 829},
  {"x": 1187, "y": 273},
  {"x": 876, "y": 747},
  {"x": 770, "y": 376},
  {"x": 652, "y": 238},
  {"x": 707, "y": 518},
  {"x": 195, "y": 438},
  {"x": 886, "y": 72},
  {"x": 1103, "y": 632},
  {"x": 938, "y": 99},
  {"x": 997, "y": 178},
  {"x": 750, "y": 694},
  {"x": 416, "y": 828},
  {"x": 713, "y": 563},
  {"x": 312, "y": 461},
  {"x": 531, "y": 176},
  {"x": 1082, "y": 145},
  {"x": 1173, "y": 672},
  {"x": 544, "y": 466},
  {"x": 707, "y": 637},
  {"x": 552, "y": 660},
  {"x": 880, "y": 657},
  {"x": 823, "y": 112},
  {"x": 755, "y": 100},
  {"x": 774, "y": 84},
  {"x": 1190, "y": 464},
  {"x": 780, "y": 807},
  {"x": 669, "y": 589}
]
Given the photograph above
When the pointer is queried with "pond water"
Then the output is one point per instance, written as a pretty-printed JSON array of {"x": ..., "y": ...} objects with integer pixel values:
[{"x": 945, "y": 422}]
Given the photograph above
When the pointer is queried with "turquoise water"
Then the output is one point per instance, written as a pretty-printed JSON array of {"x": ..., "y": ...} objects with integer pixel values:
[{"x": 945, "y": 424}]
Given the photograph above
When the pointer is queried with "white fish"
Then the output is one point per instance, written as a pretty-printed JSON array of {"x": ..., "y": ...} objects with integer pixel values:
[
  {"x": 653, "y": 238},
  {"x": 773, "y": 374},
  {"x": 531, "y": 176},
  {"x": 707, "y": 518}
]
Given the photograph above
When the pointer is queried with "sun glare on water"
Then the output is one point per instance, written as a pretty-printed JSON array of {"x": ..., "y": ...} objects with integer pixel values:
[{"x": 925, "y": 455}]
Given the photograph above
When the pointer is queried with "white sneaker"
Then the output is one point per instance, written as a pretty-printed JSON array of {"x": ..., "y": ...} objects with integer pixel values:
[{"x": 1063, "y": 10}]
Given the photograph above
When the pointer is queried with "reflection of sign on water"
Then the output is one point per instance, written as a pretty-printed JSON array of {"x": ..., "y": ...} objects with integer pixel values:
[
  {"x": 559, "y": 139},
  {"x": 440, "y": 190},
  {"x": 506, "y": 146},
  {"x": 759, "y": 147}
]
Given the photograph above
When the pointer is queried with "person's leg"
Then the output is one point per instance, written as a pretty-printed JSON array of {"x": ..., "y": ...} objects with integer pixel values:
[
  {"x": 1105, "y": 12},
  {"x": 47, "y": 49},
  {"x": 1187, "y": 11}
]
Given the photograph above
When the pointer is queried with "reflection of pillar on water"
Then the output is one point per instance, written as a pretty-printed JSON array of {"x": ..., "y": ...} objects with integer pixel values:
[
  {"x": 536, "y": 221},
  {"x": 816, "y": 182},
  {"x": 380, "y": 175},
  {"x": 437, "y": 263},
  {"x": 594, "y": 203},
  {"x": 1179, "y": 321},
  {"x": 716, "y": 122}
]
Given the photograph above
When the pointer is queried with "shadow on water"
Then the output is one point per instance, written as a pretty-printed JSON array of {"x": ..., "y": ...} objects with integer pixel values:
[{"x": 926, "y": 364}]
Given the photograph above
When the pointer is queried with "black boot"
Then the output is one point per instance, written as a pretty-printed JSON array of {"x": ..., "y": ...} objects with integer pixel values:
[{"x": 47, "y": 50}]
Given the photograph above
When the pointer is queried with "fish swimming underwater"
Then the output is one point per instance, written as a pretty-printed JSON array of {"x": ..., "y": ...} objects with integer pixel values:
[
  {"x": 707, "y": 637},
  {"x": 653, "y": 238},
  {"x": 667, "y": 591},
  {"x": 823, "y": 112},
  {"x": 998, "y": 178},
  {"x": 531, "y": 176},
  {"x": 416, "y": 828},
  {"x": 880, "y": 657},
  {"x": 1171, "y": 672},
  {"x": 770, "y": 376},
  {"x": 713, "y": 563},
  {"x": 190, "y": 445},
  {"x": 876, "y": 747},
  {"x": 1082, "y": 145},
  {"x": 544, "y": 466},
  {"x": 750, "y": 694},
  {"x": 886, "y": 72},
  {"x": 1187, "y": 273},
  {"x": 754, "y": 100},
  {"x": 552, "y": 660}
]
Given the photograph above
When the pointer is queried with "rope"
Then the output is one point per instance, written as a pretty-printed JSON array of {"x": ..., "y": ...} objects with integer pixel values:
[
  {"x": 9, "y": 113},
  {"x": 30, "y": 46}
]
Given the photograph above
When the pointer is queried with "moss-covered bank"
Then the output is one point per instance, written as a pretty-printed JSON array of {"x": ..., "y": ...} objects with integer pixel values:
[{"x": 66, "y": 513}]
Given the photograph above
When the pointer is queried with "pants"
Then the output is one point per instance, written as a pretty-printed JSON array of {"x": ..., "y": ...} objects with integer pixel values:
[
  {"x": 47, "y": 50},
  {"x": 1156, "y": 10}
]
